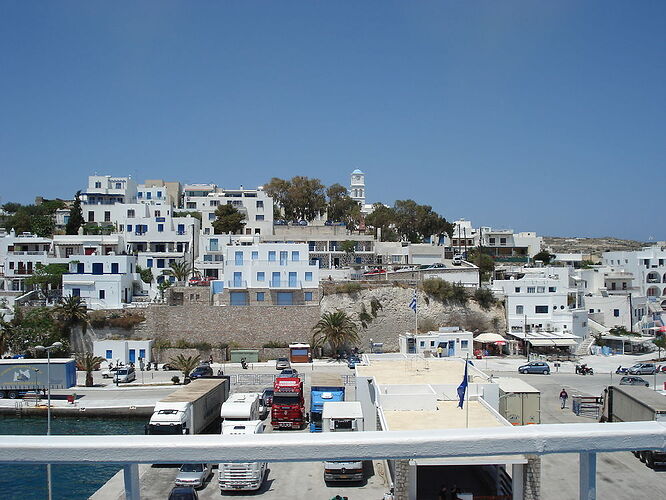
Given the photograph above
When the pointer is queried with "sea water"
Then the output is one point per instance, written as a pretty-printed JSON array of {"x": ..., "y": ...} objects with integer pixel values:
[{"x": 76, "y": 482}]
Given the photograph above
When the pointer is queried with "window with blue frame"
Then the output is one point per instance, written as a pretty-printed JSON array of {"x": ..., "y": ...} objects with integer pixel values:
[
  {"x": 255, "y": 255},
  {"x": 159, "y": 194},
  {"x": 308, "y": 296},
  {"x": 80, "y": 268},
  {"x": 181, "y": 228},
  {"x": 295, "y": 256},
  {"x": 259, "y": 217},
  {"x": 129, "y": 228},
  {"x": 114, "y": 268},
  {"x": 261, "y": 276},
  {"x": 238, "y": 298},
  {"x": 109, "y": 354},
  {"x": 139, "y": 194},
  {"x": 76, "y": 292},
  {"x": 271, "y": 256},
  {"x": 160, "y": 263},
  {"x": 98, "y": 268},
  {"x": 208, "y": 258},
  {"x": 238, "y": 258},
  {"x": 149, "y": 195},
  {"x": 261, "y": 296},
  {"x": 283, "y": 258},
  {"x": 211, "y": 216},
  {"x": 308, "y": 276},
  {"x": 149, "y": 263},
  {"x": 102, "y": 294},
  {"x": 160, "y": 228},
  {"x": 213, "y": 244}
]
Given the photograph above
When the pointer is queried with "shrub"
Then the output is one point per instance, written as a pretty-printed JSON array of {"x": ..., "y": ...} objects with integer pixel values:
[
  {"x": 127, "y": 322},
  {"x": 348, "y": 288},
  {"x": 175, "y": 379},
  {"x": 451, "y": 293},
  {"x": 275, "y": 345},
  {"x": 484, "y": 298},
  {"x": 97, "y": 319},
  {"x": 162, "y": 344},
  {"x": 182, "y": 344}
]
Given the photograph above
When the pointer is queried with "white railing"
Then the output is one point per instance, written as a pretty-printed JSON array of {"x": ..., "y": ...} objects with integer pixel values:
[{"x": 585, "y": 439}]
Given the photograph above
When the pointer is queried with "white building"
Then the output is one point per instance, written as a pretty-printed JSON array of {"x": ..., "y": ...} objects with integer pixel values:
[
  {"x": 454, "y": 342},
  {"x": 123, "y": 351},
  {"x": 102, "y": 194},
  {"x": 269, "y": 274},
  {"x": 542, "y": 300},
  {"x": 20, "y": 254},
  {"x": 502, "y": 244},
  {"x": 102, "y": 281},
  {"x": 254, "y": 204}
]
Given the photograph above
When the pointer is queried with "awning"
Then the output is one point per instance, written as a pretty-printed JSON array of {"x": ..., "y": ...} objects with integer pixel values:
[
  {"x": 489, "y": 338},
  {"x": 552, "y": 342},
  {"x": 72, "y": 282}
]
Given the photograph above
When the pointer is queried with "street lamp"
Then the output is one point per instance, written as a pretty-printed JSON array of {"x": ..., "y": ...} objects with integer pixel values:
[{"x": 55, "y": 345}]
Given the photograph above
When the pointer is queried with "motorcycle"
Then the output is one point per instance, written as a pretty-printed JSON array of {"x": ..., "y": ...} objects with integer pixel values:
[
  {"x": 584, "y": 370},
  {"x": 622, "y": 371}
]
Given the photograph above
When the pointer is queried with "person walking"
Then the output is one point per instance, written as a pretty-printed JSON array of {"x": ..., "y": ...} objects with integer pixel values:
[{"x": 563, "y": 398}]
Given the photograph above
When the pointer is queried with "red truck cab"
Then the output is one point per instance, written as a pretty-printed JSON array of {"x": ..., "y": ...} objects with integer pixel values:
[{"x": 288, "y": 410}]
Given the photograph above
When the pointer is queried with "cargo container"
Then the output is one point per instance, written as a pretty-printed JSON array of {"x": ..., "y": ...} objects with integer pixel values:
[
  {"x": 19, "y": 376},
  {"x": 325, "y": 387},
  {"x": 519, "y": 402}
]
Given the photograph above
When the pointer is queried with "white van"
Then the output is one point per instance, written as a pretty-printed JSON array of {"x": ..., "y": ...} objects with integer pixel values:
[
  {"x": 242, "y": 476},
  {"x": 240, "y": 406}
]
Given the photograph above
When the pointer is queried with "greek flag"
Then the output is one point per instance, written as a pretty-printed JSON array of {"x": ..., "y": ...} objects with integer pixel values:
[
  {"x": 412, "y": 304},
  {"x": 462, "y": 388}
]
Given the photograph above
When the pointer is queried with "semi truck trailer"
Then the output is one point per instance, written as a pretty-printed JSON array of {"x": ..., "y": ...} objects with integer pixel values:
[
  {"x": 240, "y": 406},
  {"x": 519, "y": 402},
  {"x": 343, "y": 416},
  {"x": 326, "y": 388},
  {"x": 19, "y": 376},
  {"x": 288, "y": 411},
  {"x": 628, "y": 403},
  {"x": 191, "y": 409},
  {"x": 246, "y": 475}
]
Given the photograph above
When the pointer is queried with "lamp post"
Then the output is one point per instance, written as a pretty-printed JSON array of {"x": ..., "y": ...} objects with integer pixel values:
[{"x": 55, "y": 345}]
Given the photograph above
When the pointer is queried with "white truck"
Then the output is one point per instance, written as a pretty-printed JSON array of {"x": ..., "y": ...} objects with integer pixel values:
[
  {"x": 191, "y": 409},
  {"x": 240, "y": 406},
  {"x": 626, "y": 403},
  {"x": 519, "y": 402},
  {"x": 247, "y": 475},
  {"x": 342, "y": 416}
]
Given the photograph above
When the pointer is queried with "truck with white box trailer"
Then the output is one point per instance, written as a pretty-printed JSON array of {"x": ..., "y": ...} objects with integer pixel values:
[
  {"x": 343, "y": 416},
  {"x": 240, "y": 406},
  {"x": 191, "y": 409},
  {"x": 246, "y": 475}
]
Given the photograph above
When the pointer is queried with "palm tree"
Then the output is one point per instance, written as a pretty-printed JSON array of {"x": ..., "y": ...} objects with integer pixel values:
[
  {"x": 336, "y": 328},
  {"x": 88, "y": 362},
  {"x": 72, "y": 311},
  {"x": 180, "y": 270},
  {"x": 185, "y": 364}
]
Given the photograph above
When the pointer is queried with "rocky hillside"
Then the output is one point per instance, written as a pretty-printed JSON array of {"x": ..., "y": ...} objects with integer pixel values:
[
  {"x": 593, "y": 246},
  {"x": 395, "y": 317}
]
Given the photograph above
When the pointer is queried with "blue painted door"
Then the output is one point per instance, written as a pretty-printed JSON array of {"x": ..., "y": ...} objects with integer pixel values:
[
  {"x": 285, "y": 298},
  {"x": 109, "y": 354},
  {"x": 452, "y": 347},
  {"x": 142, "y": 354},
  {"x": 132, "y": 355},
  {"x": 292, "y": 279},
  {"x": 275, "y": 280},
  {"x": 238, "y": 279}
]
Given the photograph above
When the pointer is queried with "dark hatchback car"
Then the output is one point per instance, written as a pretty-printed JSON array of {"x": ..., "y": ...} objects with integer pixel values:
[
  {"x": 183, "y": 493},
  {"x": 631, "y": 380},
  {"x": 201, "y": 371}
]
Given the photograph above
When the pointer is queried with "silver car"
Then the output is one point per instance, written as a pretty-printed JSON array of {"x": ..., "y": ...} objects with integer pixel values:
[
  {"x": 642, "y": 369},
  {"x": 194, "y": 475},
  {"x": 124, "y": 375}
]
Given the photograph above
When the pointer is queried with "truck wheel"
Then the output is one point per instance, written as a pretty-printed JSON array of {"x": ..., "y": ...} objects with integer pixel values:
[
  {"x": 12, "y": 394},
  {"x": 649, "y": 459},
  {"x": 2, "y": 394}
]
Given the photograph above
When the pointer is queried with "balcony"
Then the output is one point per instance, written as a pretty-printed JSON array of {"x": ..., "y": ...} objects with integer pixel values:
[
  {"x": 285, "y": 284},
  {"x": 28, "y": 252},
  {"x": 236, "y": 284}
]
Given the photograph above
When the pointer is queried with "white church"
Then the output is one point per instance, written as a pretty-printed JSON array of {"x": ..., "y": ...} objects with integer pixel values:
[{"x": 357, "y": 191}]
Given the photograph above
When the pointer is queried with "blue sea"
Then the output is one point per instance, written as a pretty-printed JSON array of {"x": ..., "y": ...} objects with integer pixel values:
[{"x": 75, "y": 482}]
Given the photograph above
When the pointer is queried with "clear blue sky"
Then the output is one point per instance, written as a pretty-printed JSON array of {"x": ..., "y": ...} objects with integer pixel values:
[{"x": 536, "y": 115}]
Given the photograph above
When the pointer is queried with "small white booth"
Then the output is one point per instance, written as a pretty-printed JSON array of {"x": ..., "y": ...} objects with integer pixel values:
[{"x": 125, "y": 351}]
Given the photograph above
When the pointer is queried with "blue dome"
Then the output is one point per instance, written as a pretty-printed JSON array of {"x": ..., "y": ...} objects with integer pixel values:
[{"x": 357, "y": 171}]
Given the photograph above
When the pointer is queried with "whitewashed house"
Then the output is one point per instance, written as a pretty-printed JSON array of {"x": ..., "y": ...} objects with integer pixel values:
[
  {"x": 124, "y": 351},
  {"x": 454, "y": 342}
]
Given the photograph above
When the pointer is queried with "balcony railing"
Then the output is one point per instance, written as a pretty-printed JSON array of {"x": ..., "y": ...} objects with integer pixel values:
[
  {"x": 585, "y": 439},
  {"x": 285, "y": 284},
  {"x": 236, "y": 284}
]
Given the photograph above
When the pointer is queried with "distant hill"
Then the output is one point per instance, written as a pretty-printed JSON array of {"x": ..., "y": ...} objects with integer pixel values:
[{"x": 593, "y": 246}]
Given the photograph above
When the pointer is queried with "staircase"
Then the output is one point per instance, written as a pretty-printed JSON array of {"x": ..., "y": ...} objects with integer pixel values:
[{"x": 584, "y": 347}]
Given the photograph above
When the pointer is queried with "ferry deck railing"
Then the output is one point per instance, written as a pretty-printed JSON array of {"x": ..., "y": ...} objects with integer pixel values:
[{"x": 585, "y": 439}]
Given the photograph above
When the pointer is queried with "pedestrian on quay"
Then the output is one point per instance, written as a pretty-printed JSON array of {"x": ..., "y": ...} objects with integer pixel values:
[{"x": 563, "y": 398}]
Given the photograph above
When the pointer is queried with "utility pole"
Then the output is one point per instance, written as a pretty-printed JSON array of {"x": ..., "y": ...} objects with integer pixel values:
[
  {"x": 631, "y": 314},
  {"x": 480, "y": 251}
]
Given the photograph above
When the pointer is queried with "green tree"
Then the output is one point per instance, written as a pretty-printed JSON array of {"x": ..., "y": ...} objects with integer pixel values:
[
  {"x": 229, "y": 220},
  {"x": 88, "y": 362},
  {"x": 146, "y": 274},
  {"x": 484, "y": 297},
  {"x": 162, "y": 287},
  {"x": 180, "y": 270},
  {"x": 382, "y": 218},
  {"x": 544, "y": 257},
  {"x": 75, "y": 216},
  {"x": 341, "y": 207},
  {"x": 301, "y": 198},
  {"x": 484, "y": 261},
  {"x": 48, "y": 275},
  {"x": 660, "y": 342},
  {"x": 11, "y": 207},
  {"x": 195, "y": 214},
  {"x": 348, "y": 247},
  {"x": 72, "y": 311},
  {"x": 42, "y": 225},
  {"x": 29, "y": 328},
  {"x": 335, "y": 328},
  {"x": 185, "y": 364}
]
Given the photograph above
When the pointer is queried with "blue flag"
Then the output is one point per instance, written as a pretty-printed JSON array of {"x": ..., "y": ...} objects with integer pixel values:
[
  {"x": 462, "y": 388},
  {"x": 412, "y": 304}
]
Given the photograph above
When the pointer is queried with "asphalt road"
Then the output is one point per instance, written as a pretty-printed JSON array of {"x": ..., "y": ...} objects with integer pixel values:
[{"x": 619, "y": 475}]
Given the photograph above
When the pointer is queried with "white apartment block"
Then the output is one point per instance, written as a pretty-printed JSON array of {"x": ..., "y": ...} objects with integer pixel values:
[
  {"x": 648, "y": 267},
  {"x": 103, "y": 281},
  {"x": 20, "y": 254},
  {"x": 104, "y": 192},
  {"x": 400, "y": 253},
  {"x": 542, "y": 300},
  {"x": 210, "y": 262},
  {"x": 171, "y": 192},
  {"x": 270, "y": 274},
  {"x": 254, "y": 204},
  {"x": 502, "y": 244}
]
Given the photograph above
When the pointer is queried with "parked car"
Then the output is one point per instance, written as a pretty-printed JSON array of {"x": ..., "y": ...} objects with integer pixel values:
[
  {"x": 288, "y": 372},
  {"x": 353, "y": 361},
  {"x": 535, "y": 367},
  {"x": 457, "y": 260},
  {"x": 265, "y": 402},
  {"x": 125, "y": 374},
  {"x": 194, "y": 475},
  {"x": 629, "y": 380},
  {"x": 194, "y": 281},
  {"x": 183, "y": 493},
  {"x": 436, "y": 265},
  {"x": 642, "y": 369},
  {"x": 201, "y": 371},
  {"x": 375, "y": 272},
  {"x": 167, "y": 366},
  {"x": 282, "y": 363},
  {"x": 109, "y": 372},
  {"x": 279, "y": 222}
]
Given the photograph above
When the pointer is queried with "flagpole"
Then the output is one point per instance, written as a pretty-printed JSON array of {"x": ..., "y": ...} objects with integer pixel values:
[
  {"x": 467, "y": 410},
  {"x": 416, "y": 313}
]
